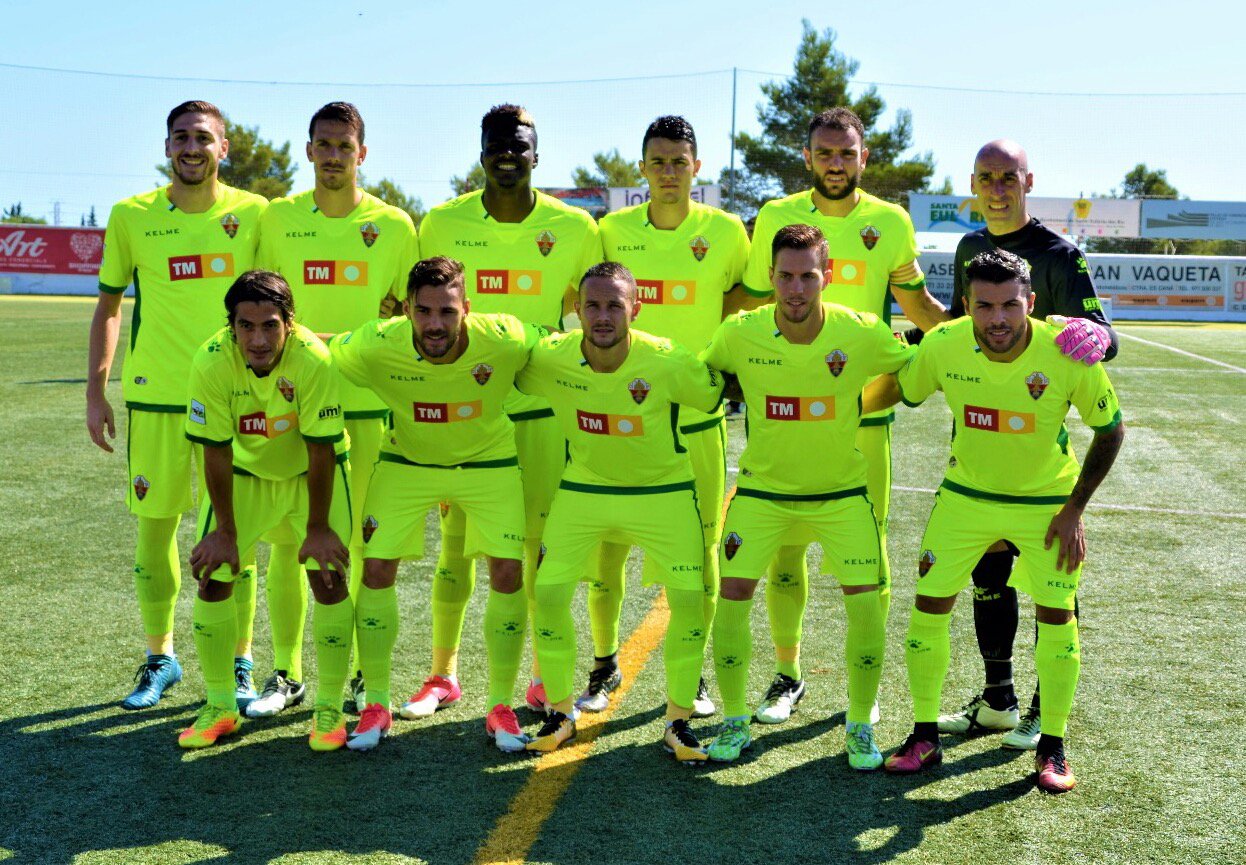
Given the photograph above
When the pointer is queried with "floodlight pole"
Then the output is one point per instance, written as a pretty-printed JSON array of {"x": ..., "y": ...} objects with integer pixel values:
[{"x": 731, "y": 196}]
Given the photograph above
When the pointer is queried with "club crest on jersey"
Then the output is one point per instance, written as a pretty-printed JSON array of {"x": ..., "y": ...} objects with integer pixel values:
[
  {"x": 286, "y": 387},
  {"x": 369, "y": 528},
  {"x": 925, "y": 563},
  {"x": 370, "y": 233},
  {"x": 870, "y": 236},
  {"x": 639, "y": 389},
  {"x": 835, "y": 362},
  {"x": 545, "y": 242},
  {"x": 141, "y": 486},
  {"x": 481, "y": 372},
  {"x": 1037, "y": 383},
  {"x": 731, "y": 545},
  {"x": 229, "y": 222},
  {"x": 699, "y": 246}
]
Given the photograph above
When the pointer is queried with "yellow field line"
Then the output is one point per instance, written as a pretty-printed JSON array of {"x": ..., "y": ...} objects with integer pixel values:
[{"x": 515, "y": 833}]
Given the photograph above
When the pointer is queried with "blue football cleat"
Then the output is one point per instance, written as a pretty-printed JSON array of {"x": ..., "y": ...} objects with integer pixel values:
[
  {"x": 244, "y": 688},
  {"x": 154, "y": 677}
]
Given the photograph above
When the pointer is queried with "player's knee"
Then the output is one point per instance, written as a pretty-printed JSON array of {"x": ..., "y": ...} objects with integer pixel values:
[
  {"x": 215, "y": 590},
  {"x": 737, "y": 589},
  {"x": 334, "y": 591},
  {"x": 379, "y": 573},
  {"x": 505, "y": 575},
  {"x": 934, "y": 606},
  {"x": 1053, "y": 615},
  {"x": 860, "y": 590}
]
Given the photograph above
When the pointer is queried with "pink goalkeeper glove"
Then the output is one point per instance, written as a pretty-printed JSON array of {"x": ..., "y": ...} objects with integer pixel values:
[{"x": 1082, "y": 339}]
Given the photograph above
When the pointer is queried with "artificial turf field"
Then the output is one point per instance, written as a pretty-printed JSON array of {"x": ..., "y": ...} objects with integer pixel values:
[{"x": 1155, "y": 739}]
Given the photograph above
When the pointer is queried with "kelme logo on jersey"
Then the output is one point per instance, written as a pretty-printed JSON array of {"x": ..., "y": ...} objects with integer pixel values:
[
  {"x": 666, "y": 292},
  {"x": 207, "y": 266},
  {"x": 595, "y": 423},
  {"x": 545, "y": 242},
  {"x": 369, "y": 528},
  {"x": 141, "y": 486},
  {"x": 731, "y": 545},
  {"x": 835, "y": 362},
  {"x": 699, "y": 246},
  {"x": 446, "y": 412},
  {"x": 508, "y": 282},
  {"x": 925, "y": 563},
  {"x": 229, "y": 222},
  {"x": 639, "y": 389},
  {"x": 870, "y": 236},
  {"x": 286, "y": 387},
  {"x": 845, "y": 271},
  {"x": 260, "y": 424},
  {"x": 369, "y": 232},
  {"x": 326, "y": 272},
  {"x": 800, "y": 408},
  {"x": 481, "y": 372},
  {"x": 998, "y": 420},
  {"x": 1036, "y": 382}
]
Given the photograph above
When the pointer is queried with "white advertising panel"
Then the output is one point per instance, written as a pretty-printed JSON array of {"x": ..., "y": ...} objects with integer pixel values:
[{"x": 1194, "y": 220}]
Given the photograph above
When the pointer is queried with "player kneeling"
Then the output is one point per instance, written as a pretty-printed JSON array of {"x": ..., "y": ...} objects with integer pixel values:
[{"x": 264, "y": 404}]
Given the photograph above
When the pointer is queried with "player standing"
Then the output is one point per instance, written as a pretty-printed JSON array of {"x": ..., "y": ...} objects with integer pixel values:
[
  {"x": 616, "y": 393},
  {"x": 523, "y": 252},
  {"x": 181, "y": 246},
  {"x": 446, "y": 375},
  {"x": 689, "y": 260},
  {"x": 346, "y": 255},
  {"x": 264, "y": 405},
  {"x": 1012, "y": 475},
  {"x": 873, "y": 256}
]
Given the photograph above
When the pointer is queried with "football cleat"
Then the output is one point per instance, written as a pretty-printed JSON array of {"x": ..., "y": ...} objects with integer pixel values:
[
  {"x": 328, "y": 731},
  {"x": 279, "y": 694},
  {"x": 1024, "y": 736},
  {"x": 211, "y": 723},
  {"x": 437, "y": 692},
  {"x": 374, "y": 723},
  {"x": 602, "y": 683},
  {"x": 913, "y": 756},
  {"x": 703, "y": 705},
  {"x": 535, "y": 698},
  {"x": 734, "y": 738},
  {"x": 557, "y": 729},
  {"x": 502, "y": 727},
  {"x": 356, "y": 694},
  {"x": 681, "y": 743},
  {"x": 863, "y": 753},
  {"x": 781, "y": 699},
  {"x": 977, "y": 716},
  {"x": 244, "y": 688},
  {"x": 157, "y": 674},
  {"x": 1054, "y": 774}
]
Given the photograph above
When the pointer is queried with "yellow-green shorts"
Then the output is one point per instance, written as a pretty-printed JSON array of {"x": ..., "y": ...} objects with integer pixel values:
[
  {"x": 844, "y": 525},
  {"x": 365, "y": 436},
  {"x": 162, "y": 464},
  {"x": 276, "y": 512},
  {"x": 874, "y": 443},
  {"x": 962, "y": 527},
  {"x": 707, "y": 448},
  {"x": 490, "y": 495},
  {"x": 664, "y": 521}
]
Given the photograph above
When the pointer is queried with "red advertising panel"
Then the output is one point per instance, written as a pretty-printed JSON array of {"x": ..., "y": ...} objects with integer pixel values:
[{"x": 44, "y": 249}]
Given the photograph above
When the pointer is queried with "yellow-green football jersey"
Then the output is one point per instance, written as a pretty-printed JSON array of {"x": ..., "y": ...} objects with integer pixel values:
[
  {"x": 181, "y": 265},
  {"x": 622, "y": 426},
  {"x": 1009, "y": 442},
  {"x": 865, "y": 246},
  {"x": 442, "y": 414},
  {"x": 804, "y": 401},
  {"x": 266, "y": 419},
  {"x": 682, "y": 274},
  {"x": 340, "y": 269}
]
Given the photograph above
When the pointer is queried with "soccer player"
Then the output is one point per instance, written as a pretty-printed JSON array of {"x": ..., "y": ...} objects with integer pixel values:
[
  {"x": 346, "y": 255},
  {"x": 802, "y": 363},
  {"x": 446, "y": 373},
  {"x": 181, "y": 245},
  {"x": 264, "y": 405},
  {"x": 1011, "y": 475},
  {"x": 873, "y": 257},
  {"x": 523, "y": 252},
  {"x": 689, "y": 260},
  {"x": 616, "y": 392},
  {"x": 1061, "y": 285}
]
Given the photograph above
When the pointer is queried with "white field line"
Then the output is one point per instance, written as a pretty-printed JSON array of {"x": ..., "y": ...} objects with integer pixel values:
[
  {"x": 1228, "y": 366},
  {"x": 1117, "y": 370}
]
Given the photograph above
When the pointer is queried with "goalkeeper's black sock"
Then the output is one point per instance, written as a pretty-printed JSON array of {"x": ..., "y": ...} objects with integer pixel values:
[{"x": 995, "y": 623}]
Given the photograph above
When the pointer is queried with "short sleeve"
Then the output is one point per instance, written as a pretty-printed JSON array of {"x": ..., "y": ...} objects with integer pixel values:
[
  {"x": 918, "y": 378},
  {"x": 117, "y": 267},
  {"x": 757, "y": 273},
  {"x": 348, "y": 357},
  {"x": 591, "y": 252},
  {"x": 739, "y": 256},
  {"x": 320, "y": 404},
  {"x": 695, "y": 384},
  {"x": 410, "y": 256},
  {"x": 209, "y": 414},
  {"x": 717, "y": 355},
  {"x": 1096, "y": 400},
  {"x": 529, "y": 379},
  {"x": 957, "y": 309},
  {"x": 888, "y": 353}
]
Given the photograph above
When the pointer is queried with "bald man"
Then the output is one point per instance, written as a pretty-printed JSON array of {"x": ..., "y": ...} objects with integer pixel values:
[{"x": 1062, "y": 286}]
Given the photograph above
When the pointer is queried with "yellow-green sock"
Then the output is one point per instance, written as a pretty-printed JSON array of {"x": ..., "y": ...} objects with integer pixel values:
[
  {"x": 863, "y": 653},
  {"x": 376, "y": 626},
  {"x": 333, "y": 626},
  {"x": 733, "y": 652},
  {"x": 926, "y": 651},
  {"x": 787, "y": 596},
  {"x": 245, "y": 591},
  {"x": 684, "y": 649},
  {"x": 1058, "y": 659},
  {"x": 453, "y": 584},
  {"x": 216, "y": 632},
  {"x": 286, "y": 589},
  {"x": 506, "y": 620},
  {"x": 157, "y": 573},
  {"x": 554, "y": 637},
  {"x": 607, "y": 586}
]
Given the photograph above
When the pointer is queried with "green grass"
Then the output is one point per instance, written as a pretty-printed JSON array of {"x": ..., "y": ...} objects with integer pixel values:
[{"x": 1154, "y": 737}]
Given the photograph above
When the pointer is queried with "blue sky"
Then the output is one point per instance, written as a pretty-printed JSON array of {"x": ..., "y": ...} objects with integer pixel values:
[{"x": 90, "y": 139}]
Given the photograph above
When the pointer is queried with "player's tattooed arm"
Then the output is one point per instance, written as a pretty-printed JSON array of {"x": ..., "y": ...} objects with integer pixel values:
[
  {"x": 322, "y": 545},
  {"x": 219, "y": 546},
  {"x": 105, "y": 328},
  {"x": 1066, "y": 525}
]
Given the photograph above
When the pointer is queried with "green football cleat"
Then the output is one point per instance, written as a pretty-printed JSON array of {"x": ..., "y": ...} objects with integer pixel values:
[
  {"x": 734, "y": 738},
  {"x": 863, "y": 754}
]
